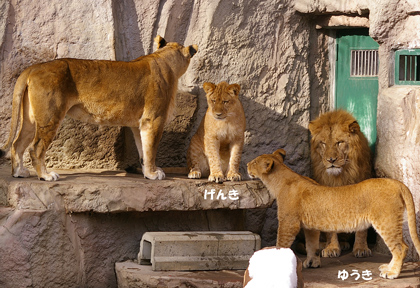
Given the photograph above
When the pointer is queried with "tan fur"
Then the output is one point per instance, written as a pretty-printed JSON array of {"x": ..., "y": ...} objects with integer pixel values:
[
  {"x": 302, "y": 203},
  {"x": 138, "y": 94},
  {"x": 215, "y": 150},
  {"x": 340, "y": 155}
]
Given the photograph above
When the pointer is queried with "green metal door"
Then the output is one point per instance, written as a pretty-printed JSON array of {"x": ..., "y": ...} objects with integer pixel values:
[{"x": 357, "y": 78}]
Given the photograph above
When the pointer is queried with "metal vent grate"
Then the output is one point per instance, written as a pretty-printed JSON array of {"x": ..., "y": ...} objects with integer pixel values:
[
  {"x": 409, "y": 68},
  {"x": 364, "y": 63}
]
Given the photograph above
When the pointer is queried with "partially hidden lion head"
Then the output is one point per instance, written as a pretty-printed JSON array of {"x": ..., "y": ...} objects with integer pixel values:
[
  {"x": 188, "y": 51},
  {"x": 340, "y": 153},
  {"x": 221, "y": 98},
  {"x": 263, "y": 164}
]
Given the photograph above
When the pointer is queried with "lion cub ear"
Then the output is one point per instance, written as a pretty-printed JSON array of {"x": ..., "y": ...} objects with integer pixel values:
[
  {"x": 160, "y": 42},
  {"x": 354, "y": 127},
  {"x": 280, "y": 153},
  {"x": 209, "y": 87},
  {"x": 266, "y": 165},
  {"x": 234, "y": 89}
]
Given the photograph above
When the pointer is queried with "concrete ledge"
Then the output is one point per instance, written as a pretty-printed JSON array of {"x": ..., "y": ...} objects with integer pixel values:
[
  {"x": 117, "y": 191},
  {"x": 198, "y": 250},
  {"x": 133, "y": 275}
]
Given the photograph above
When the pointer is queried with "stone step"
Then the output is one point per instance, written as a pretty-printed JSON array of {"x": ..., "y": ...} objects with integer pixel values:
[
  {"x": 132, "y": 275},
  {"x": 198, "y": 250}
]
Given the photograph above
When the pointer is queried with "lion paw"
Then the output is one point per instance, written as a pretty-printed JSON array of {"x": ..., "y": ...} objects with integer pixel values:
[
  {"x": 216, "y": 177},
  {"x": 362, "y": 252},
  {"x": 21, "y": 173},
  {"x": 194, "y": 175},
  {"x": 52, "y": 176},
  {"x": 233, "y": 176},
  {"x": 388, "y": 273},
  {"x": 312, "y": 262},
  {"x": 331, "y": 252},
  {"x": 156, "y": 175}
]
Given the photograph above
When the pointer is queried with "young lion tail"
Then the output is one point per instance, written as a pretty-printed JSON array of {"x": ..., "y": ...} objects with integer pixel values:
[
  {"x": 18, "y": 93},
  {"x": 411, "y": 216}
]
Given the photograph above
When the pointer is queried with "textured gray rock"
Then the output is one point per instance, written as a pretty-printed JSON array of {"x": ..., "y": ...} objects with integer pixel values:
[
  {"x": 71, "y": 233},
  {"x": 110, "y": 192}
]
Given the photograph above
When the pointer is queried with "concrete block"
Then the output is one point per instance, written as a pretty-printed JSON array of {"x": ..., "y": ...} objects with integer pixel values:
[
  {"x": 198, "y": 250},
  {"x": 133, "y": 275}
]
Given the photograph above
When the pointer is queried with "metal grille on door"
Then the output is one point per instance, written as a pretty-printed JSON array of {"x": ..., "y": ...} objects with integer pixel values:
[{"x": 364, "y": 63}]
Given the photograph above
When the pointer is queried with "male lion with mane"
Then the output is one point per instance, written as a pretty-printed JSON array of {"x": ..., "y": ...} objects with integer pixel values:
[
  {"x": 138, "y": 94},
  {"x": 340, "y": 155},
  {"x": 303, "y": 203}
]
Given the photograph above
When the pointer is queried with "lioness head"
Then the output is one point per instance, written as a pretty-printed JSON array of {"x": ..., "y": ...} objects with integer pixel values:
[
  {"x": 338, "y": 147},
  {"x": 188, "y": 51},
  {"x": 263, "y": 164},
  {"x": 221, "y": 98}
]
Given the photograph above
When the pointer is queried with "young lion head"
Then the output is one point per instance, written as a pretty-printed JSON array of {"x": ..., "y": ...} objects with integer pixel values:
[
  {"x": 263, "y": 164},
  {"x": 340, "y": 152},
  {"x": 221, "y": 98}
]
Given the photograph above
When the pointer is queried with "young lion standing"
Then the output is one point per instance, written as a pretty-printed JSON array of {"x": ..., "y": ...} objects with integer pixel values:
[{"x": 215, "y": 150}]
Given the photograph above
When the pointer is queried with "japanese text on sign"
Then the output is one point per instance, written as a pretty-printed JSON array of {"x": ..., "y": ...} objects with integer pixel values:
[
  {"x": 213, "y": 195},
  {"x": 343, "y": 274}
]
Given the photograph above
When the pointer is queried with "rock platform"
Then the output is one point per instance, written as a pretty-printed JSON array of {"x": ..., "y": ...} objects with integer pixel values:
[{"x": 70, "y": 233}]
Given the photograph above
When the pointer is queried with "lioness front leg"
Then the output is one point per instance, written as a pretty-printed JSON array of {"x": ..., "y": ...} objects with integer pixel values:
[
  {"x": 151, "y": 131},
  {"x": 360, "y": 248},
  {"x": 234, "y": 161},
  {"x": 333, "y": 248}
]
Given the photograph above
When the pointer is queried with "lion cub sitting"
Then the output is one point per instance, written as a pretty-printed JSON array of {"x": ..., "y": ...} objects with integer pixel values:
[
  {"x": 216, "y": 147},
  {"x": 302, "y": 202}
]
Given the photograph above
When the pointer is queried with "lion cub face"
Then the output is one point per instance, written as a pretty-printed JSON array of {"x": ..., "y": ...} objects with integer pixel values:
[{"x": 221, "y": 98}]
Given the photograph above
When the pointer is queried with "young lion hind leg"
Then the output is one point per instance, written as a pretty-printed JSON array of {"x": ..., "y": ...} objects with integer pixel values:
[{"x": 391, "y": 233}]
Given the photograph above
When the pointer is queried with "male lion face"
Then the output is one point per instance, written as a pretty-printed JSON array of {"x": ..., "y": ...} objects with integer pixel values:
[
  {"x": 336, "y": 136},
  {"x": 332, "y": 147},
  {"x": 221, "y": 98}
]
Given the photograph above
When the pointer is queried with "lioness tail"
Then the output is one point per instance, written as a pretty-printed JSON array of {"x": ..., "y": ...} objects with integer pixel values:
[
  {"x": 411, "y": 216},
  {"x": 18, "y": 93}
]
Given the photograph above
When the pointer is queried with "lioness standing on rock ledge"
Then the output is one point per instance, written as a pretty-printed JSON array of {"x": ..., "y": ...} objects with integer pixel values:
[
  {"x": 216, "y": 149},
  {"x": 139, "y": 94}
]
